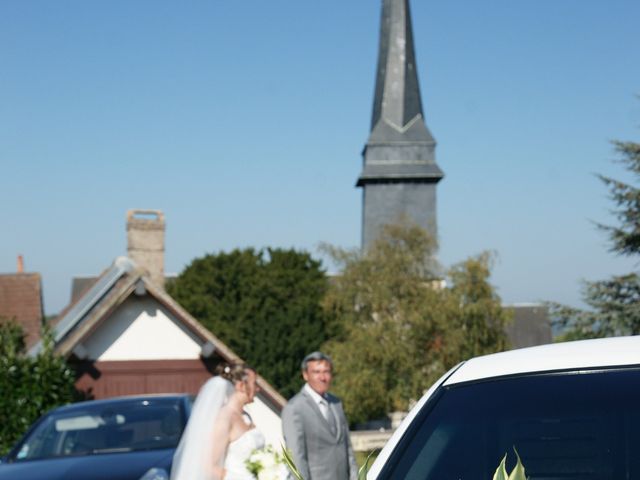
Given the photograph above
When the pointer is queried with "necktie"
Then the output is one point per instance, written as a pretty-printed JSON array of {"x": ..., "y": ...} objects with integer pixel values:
[{"x": 331, "y": 418}]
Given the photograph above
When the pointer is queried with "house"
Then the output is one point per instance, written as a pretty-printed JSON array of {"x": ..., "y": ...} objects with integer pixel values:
[
  {"x": 125, "y": 335},
  {"x": 21, "y": 300}
]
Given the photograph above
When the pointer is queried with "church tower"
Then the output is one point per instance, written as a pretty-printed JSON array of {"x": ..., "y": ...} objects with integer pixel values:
[{"x": 399, "y": 174}]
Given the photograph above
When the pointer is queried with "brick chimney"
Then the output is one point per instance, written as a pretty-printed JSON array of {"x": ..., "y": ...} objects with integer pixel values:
[
  {"x": 20, "y": 268},
  {"x": 145, "y": 242}
]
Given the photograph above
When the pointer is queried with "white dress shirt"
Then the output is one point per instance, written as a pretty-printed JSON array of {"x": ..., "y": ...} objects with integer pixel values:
[{"x": 323, "y": 405}]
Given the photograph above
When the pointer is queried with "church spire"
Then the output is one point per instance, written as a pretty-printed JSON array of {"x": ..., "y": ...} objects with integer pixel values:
[
  {"x": 399, "y": 172},
  {"x": 397, "y": 97}
]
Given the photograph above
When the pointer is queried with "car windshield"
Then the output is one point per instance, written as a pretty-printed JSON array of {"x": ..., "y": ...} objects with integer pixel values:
[
  {"x": 582, "y": 425},
  {"x": 121, "y": 426}
]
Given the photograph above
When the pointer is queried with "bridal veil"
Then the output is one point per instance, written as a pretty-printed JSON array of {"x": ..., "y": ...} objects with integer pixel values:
[{"x": 190, "y": 461}]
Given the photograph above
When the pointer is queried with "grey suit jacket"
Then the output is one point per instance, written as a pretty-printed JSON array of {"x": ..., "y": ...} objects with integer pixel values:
[{"x": 317, "y": 453}]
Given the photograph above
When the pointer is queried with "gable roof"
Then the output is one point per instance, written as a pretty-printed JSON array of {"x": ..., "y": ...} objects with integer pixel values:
[
  {"x": 21, "y": 299},
  {"x": 122, "y": 279}
]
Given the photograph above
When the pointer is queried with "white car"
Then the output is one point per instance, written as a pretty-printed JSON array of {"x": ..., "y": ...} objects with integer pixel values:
[{"x": 570, "y": 410}]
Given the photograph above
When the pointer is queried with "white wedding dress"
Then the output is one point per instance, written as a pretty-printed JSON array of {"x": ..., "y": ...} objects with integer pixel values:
[
  {"x": 239, "y": 451},
  {"x": 193, "y": 455}
]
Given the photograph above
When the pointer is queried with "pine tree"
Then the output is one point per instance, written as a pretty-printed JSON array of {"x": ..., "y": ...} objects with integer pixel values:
[{"x": 614, "y": 302}]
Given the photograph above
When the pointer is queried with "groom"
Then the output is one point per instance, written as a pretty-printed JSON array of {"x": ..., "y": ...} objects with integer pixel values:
[{"x": 315, "y": 427}]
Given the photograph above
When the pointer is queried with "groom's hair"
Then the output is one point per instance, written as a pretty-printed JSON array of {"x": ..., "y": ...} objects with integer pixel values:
[{"x": 315, "y": 357}]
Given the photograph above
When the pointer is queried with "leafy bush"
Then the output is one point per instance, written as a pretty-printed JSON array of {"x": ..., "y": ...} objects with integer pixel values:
[{"x": 30, "y": 385}]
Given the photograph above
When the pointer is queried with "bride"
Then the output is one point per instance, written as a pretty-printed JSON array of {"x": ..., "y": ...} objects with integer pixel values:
[{"x": 220, "y": 436}]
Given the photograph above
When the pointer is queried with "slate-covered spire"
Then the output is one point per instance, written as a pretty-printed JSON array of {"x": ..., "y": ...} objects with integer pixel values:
[
  {"x": 400, "y": 149},
  {"x": 397, "y": 97}
]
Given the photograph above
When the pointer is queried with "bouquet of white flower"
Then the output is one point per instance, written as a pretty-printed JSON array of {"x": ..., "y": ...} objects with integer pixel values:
[{"x": 267, "y": 464}]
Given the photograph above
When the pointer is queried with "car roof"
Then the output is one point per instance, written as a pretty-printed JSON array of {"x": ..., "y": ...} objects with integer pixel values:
[
  {"x": 578, "y": 355},
  {"x": 568, "y": 356},
  {"x": 123, "y": 399}
]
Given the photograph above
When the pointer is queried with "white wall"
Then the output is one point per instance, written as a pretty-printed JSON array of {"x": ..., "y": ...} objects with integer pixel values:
[{"x": 141, "y": 329}]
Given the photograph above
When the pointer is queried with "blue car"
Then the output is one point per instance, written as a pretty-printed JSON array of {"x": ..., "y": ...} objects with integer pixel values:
[{"x": 126, "y": 438}]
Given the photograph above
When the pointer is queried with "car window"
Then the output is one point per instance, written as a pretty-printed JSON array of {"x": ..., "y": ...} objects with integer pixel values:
[
  {"x": 564, "y": 426},
  {"x": 105, "y": 428}
]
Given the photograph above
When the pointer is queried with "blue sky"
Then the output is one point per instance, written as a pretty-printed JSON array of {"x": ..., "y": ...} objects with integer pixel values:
[{"x": 244, "y": 120}]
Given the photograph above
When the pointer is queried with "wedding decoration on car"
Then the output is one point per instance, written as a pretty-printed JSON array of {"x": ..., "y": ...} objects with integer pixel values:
[
  {"x": 516, "y": 474},
  {"x": 364, "y": 469},
  {"x": 267, "y": 464}
]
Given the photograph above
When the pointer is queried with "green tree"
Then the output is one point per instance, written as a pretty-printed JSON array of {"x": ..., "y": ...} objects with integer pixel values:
[
  {"x": 615, "y": 302},
  {"x": 265, "y": 305},
  {"x": 397, "y": 328},
  {"x": 30, "y": 385},
  {"x": 477, "y": 307}
]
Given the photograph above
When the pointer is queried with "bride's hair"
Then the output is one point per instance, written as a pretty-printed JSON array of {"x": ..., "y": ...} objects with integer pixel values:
[{"x": 234, "y": 372}]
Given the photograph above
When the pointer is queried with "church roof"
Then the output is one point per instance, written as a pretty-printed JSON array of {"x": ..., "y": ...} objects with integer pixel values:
[
  {"x": 400, "y": 145},
  {"x": 397, "y": 96}
]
